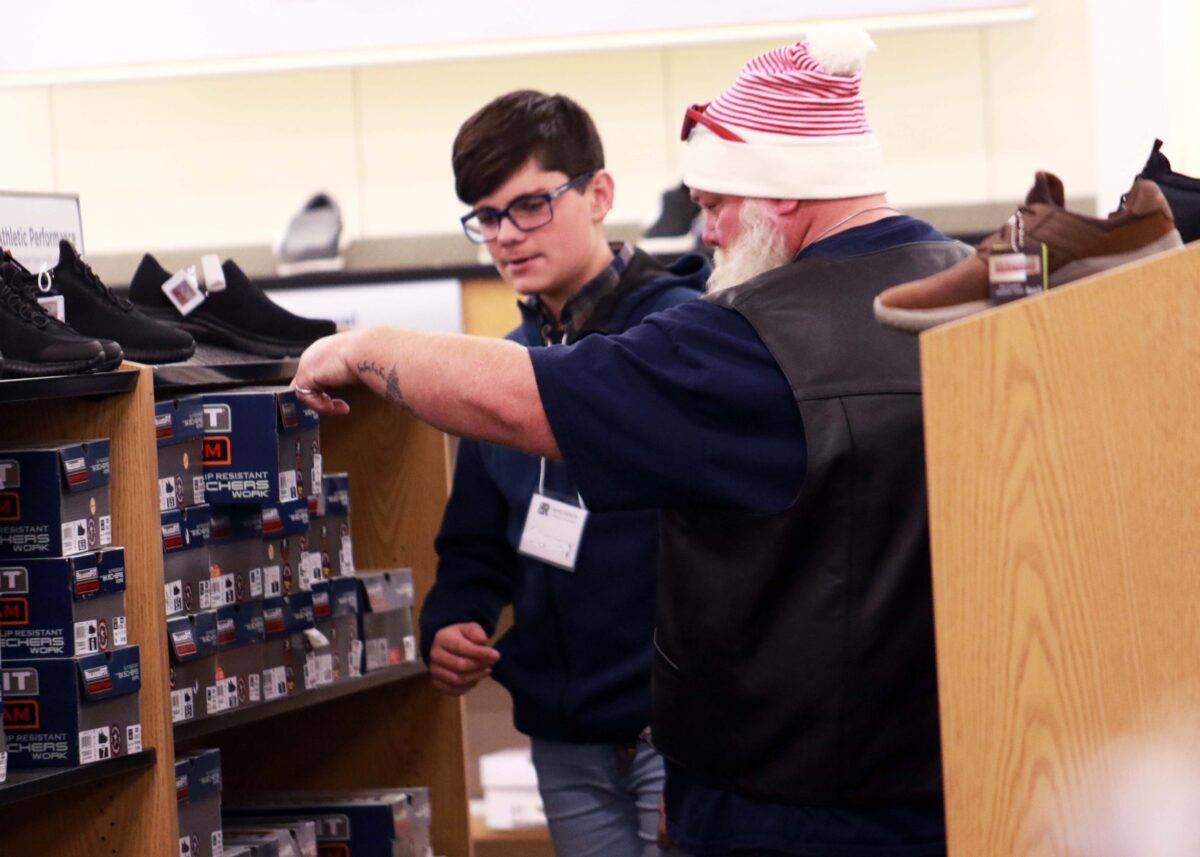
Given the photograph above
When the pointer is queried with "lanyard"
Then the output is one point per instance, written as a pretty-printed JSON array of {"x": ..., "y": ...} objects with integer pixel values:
[{"x": 542, "y": 484}]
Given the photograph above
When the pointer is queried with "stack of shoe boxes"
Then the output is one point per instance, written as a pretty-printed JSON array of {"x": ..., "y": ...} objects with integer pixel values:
[
  {"x": 70, "y": 680},
  {"x": 354, "y": 823},
  {"x": 186, "y": 524},
  {"x": 386, "y": 622},
  {"x": 198, "y": 803}
]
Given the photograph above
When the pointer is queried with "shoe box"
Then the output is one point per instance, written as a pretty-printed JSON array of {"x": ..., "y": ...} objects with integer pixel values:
[
  {"x": 311, "y": 650},
  {"x": 240, "y": 637},
  {"x": 54, "y": 499},
  {"x": 385, "y": 623},
  {"x": 192, "y": 641},
  {"x": 352, "y": 823},
  {"x": 72, "y": 711},
  {"x": 61, "y": 607},
  {"x": 187, "y": 567},
  {"x": 335, "y": 611},
  {"x": 179, "y": 430},
  {"x": 284, "y": 530},
  {"x": 334, "y": 511},
  {"x": 261, "y": 446},
  {"x": 280, "y": 624},
  {"x": 198, "y": 800},
  {"x": 297, "y": 836},
  {"x": 241, "y": 570}
]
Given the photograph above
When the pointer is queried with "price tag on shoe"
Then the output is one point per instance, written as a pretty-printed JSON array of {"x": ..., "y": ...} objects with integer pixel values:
[
  {"x": 1017, "y": 273},
  {"x": 183, "y": 290}
]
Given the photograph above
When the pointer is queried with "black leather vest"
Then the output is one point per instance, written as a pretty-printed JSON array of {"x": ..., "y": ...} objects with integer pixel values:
[{"x": 794, "y": 652}]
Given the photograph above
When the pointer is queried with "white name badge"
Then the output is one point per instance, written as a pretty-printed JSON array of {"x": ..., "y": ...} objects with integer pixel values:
[{"x": 553, "y": 531}]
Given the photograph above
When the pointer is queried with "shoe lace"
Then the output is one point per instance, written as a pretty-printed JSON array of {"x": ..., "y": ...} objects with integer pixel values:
[
  {"x": 84, "y": 270},
  {"x": 22, "y": 306}
]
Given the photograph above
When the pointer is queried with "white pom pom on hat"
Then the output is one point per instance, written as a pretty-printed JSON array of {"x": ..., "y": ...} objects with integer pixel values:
[
  {"x": 840, "y": 49},
  {"x": 792, "y": 125}
]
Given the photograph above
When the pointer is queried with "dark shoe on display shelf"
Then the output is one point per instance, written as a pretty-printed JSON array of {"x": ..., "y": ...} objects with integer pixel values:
[
  {"x": 239, "y": 316},
  {"x": 34, "y": 343},
  {"x": 1042, "y": 246},
  {"x": 311, "y": 241},
  {"x": 677, "y": 229},
  {"x": 1182, "y": 192},
  {"x": 93, "y": 310}
]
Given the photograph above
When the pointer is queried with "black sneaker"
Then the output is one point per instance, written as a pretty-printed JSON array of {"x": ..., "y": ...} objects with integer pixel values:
[
  {"x": 34, "y": 343},
  {"x": 240, "y": 316},
  {"x": 677, "y": 228},
  {"x": 93, "y": 310},
  {"x": 1182, "y": 192},
  {"x": 22, "y": 279}
]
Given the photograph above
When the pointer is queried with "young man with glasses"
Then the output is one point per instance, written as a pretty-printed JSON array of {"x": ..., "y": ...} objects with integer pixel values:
[{"x": 577, "y": 659}]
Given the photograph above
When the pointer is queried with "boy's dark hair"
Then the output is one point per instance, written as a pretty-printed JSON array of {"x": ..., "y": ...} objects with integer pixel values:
[{"x": 505, "y": 133}]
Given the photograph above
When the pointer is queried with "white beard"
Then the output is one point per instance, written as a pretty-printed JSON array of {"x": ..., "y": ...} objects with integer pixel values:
[{"x": 759, "y": 248}]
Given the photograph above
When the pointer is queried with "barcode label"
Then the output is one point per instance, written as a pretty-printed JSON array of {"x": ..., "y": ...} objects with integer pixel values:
[
  {"x": 105, "y": 530},
  {"x": 133, "y": 738},
  {"x": 410, "y": 648},
  {"x": 168, "y": 500},
  {"x": 324, "y": 669},
  {"x": 377, "y": 653},
  {"x": 224, "y": 590},
  {"x": 197, "y": 490},
  {"x": 287, "y": 486},
  {"x": 255, "y": 682},
  {"x": 217, "y": 840},
  {"x": 317, "y": 473},
  {"x": 3, "y": 766},
  {"x": 185, "y": 846},
  {"x": 356, "y": 653},
  {"x": 174, "y": 593},
  {"x": 256, "y": 582},
  {"x": 310, "y": 569},
  {"x": 183, "y": 705},
  {"x": 94, "y": 746},
  {"x": 346, "y": 556},
  {"x": 120, "y": 632},
  {"x": 274, "y": 683},
  {"x": 86, "y": 638},
  {"x": 272, "y": 581},
  {"x": 212, "y": 699},
  {"x": 74, "y": 537}
]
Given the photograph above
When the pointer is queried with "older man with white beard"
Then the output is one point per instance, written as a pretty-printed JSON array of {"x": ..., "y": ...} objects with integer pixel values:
[{"x": 778, "y": 428}]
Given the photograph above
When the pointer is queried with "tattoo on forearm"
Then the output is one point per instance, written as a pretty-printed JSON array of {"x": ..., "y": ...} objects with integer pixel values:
[{"x": 391, "y": 382}]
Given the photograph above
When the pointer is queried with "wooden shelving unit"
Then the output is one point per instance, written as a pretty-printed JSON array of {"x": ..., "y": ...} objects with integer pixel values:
[
  {"x": 1062, "y": 440},
  {"x": 391, "y": 730}
]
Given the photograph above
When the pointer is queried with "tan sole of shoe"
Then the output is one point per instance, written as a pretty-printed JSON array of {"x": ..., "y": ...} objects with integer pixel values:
[
  {"x": 1081, "y": 268},
  {"x": 916, "y": 320}
]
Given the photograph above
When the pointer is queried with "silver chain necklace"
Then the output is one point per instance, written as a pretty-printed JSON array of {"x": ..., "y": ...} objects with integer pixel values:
[{"x": 848, "y": 219}]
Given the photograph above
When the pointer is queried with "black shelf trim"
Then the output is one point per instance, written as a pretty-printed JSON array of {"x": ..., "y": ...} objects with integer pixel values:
[
  {"x": 188, "y": 732},
  {"x": 97, "y": 385},
  {"x": 26, "y": 784}
]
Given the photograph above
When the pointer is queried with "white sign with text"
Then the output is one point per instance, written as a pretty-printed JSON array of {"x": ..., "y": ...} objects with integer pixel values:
[{"x": 31, "y": 225}]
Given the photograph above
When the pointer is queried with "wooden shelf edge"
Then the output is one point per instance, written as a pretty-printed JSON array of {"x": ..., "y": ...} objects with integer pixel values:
[
  {"x": 23, "y": 785},
  {"x": 95, "y": 385},
  {"x": 189, "y": 732}
]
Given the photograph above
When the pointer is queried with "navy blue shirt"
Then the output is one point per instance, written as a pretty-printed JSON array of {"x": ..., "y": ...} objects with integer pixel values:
[{"x": 690, "y": 409}]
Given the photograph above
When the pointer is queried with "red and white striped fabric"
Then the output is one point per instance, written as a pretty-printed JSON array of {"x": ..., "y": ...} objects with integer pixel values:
[{"x": 793, "y": 125}]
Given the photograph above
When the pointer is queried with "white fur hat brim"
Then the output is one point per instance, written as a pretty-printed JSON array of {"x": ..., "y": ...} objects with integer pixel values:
[{"x": 777, "y": 166}]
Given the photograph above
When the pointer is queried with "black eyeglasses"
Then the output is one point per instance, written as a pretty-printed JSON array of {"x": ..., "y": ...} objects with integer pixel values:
[{"x": 527, "y": 213}]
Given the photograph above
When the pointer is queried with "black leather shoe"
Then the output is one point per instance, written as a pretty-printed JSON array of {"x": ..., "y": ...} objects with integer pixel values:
[
  {"x": 240, "y": 316},
  {"x": 35, "y": 344}
]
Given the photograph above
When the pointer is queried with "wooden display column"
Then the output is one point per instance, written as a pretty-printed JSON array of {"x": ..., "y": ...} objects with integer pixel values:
[
  {"x": 1063, "y": 447},
  {"x": 134, "y": 813}
]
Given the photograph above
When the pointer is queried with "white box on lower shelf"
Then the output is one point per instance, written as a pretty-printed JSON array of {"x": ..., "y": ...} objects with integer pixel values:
[{"x": 510, "y": 793}]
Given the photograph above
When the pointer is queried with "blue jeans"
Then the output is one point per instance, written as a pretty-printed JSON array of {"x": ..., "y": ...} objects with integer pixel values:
[{"x": 600, "y": 799}]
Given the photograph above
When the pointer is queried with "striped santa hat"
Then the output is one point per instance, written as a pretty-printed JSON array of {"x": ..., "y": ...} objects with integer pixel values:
[{"x": 792, "y": 126}]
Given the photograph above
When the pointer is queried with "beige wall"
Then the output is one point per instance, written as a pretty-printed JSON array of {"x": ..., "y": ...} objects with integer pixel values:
[{"x": 965, "y": 115}]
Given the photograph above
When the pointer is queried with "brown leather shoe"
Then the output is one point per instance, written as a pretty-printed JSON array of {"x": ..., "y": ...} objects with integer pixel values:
[{"x": 1076, "y": 246}]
